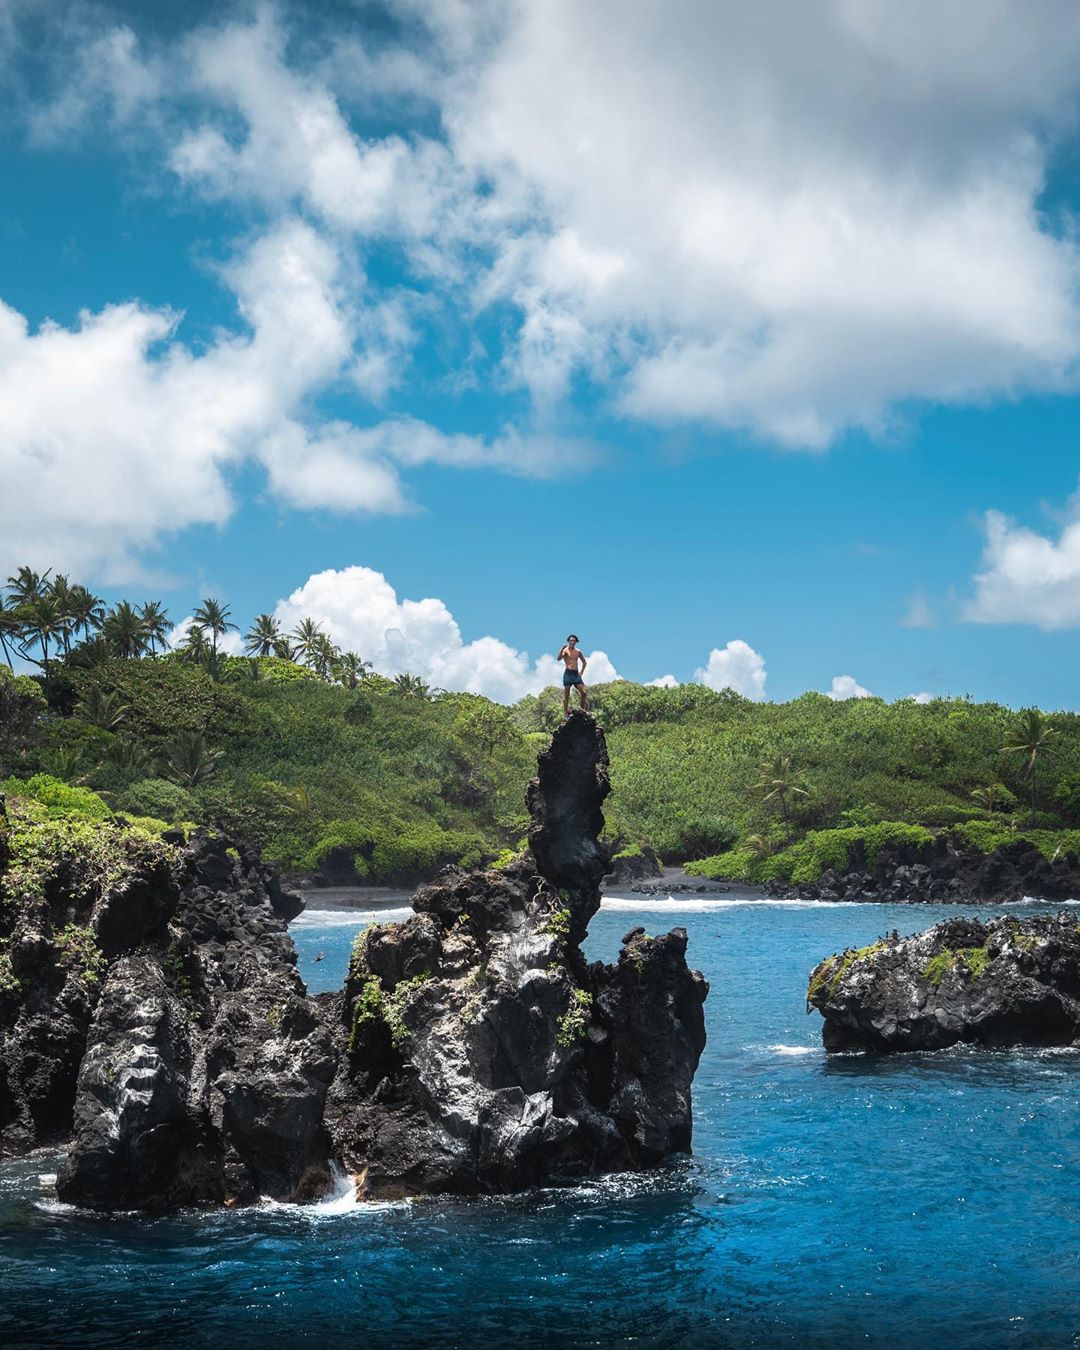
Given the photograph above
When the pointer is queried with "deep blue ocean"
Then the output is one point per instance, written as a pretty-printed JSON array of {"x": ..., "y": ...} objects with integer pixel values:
[{"x": 920, "y": 1200}]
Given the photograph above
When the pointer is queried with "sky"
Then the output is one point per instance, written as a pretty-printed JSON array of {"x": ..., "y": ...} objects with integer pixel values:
[{"x": 743, "y": 341}]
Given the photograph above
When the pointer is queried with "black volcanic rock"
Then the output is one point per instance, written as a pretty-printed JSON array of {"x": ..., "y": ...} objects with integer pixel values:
[
  {"x": 639, "y": 865},
  {"x": 206, "y": 1065},
  {"x": 945, "y": 870},
  {"x": 564, "y": 800},
  {"x": 1007, "y": 982},
  {"x": 481, "y": 1053},
  {"x": 153, "y": 1013}
]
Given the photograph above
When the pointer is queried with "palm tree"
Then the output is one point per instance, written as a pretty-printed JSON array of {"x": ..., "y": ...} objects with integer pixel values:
[
  {"x": 26, "y": 585},
  {"x": 410, "y": 686},
  {"x": 87, "y": 610},
  {"x": 67, "y": 763},
  {"x": 189, "y": 761},
  {"x": 989, "y": 796},
  {"x": 125, "y": 631},
  {"x": 156, "y": 624},
  {"x": 1031, "y": 738},
  {"x": 10, "y": 629},
  {"x": 102, "y": 708},
  {"x": 306, "y": 637},
  {"x": 350, "y": 670},
  {"x": 63, "y": 594},
  {"x": 214, "y": 617},
  {"x": 194, "y": 648},
  {"x": 43, "y": 624},
  {"x": 128, "y": 755},
  {"x": 284, "y": 648},
  {"x": 263, "y": 636},
  {"x": 778, "y": 781},
  {"x": 324, "y": 656}
]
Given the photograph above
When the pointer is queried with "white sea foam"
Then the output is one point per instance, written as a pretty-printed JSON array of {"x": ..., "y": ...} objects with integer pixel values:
[
  {"x": 699, "y": 905},
  {"x": 349, "y": 918},
  {"x": 795, "y": 1049},
  {"x": 341, "y": 1200}
]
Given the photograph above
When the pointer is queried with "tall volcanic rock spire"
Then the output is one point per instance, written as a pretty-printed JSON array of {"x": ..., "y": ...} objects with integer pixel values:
[{"x": 481, "y": 1053}]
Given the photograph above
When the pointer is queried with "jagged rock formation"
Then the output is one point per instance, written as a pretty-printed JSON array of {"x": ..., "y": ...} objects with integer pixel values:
[
  {"x": 481, "y": 1053},
  {"x": 633, "y": 866},
  {"x": 1010, "y": 981},
  {"x": 151, "y": 1012},
  {"x": 943, "y": 871}
]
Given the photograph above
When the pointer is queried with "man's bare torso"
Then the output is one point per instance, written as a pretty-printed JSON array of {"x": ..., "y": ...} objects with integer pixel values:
[{"x": 571, "y": 656}]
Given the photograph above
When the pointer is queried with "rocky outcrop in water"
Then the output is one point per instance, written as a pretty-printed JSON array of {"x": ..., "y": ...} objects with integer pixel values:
[
  {"x": 1007, "y": 982},
  {"x": 151, "y": 1013},
  {"x": 482, "y": 1053},
  {"x": 945, "y": 871}
]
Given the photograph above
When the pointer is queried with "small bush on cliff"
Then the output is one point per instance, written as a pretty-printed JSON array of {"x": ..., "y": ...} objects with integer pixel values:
[
  {"x": 80, "y": 954},
  {"x": 76, "y": 860},
  {"x": 574, "y": 1023}
]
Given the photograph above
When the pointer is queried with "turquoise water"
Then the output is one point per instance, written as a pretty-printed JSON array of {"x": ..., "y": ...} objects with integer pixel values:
[{"x": 917, "y": 1200}]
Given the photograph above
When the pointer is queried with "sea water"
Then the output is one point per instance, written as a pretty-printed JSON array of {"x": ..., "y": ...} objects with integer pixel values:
[{"x": 914, "y": 1200}]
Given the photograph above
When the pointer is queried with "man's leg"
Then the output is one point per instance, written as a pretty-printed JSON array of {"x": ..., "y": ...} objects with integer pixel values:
[
  {"x": 566, "y": 700},
  {"x": 581, "y": 692}
]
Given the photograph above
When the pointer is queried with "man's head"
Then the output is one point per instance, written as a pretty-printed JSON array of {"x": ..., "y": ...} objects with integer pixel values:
[{"x": 572, "y": 638}]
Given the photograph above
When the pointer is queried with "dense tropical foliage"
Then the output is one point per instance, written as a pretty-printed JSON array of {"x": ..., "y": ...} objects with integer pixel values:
[{"x": 302, "y": 748}]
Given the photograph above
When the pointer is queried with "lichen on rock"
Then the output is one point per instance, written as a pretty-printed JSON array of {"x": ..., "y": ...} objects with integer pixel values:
[{"x": 1009, "y": 981}]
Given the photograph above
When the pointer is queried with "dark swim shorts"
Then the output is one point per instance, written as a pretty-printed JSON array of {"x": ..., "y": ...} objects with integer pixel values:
[{"x": 570, "y": 678}]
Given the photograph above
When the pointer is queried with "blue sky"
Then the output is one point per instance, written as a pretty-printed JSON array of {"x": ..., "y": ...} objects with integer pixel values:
[{"x": 679, "y": 327}]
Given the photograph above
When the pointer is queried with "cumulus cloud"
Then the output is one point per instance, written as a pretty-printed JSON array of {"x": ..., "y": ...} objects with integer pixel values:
[
  {"x": 845, "y": 687},
  {"x": 789, "y": 227},
  {"x": 922, "y": 697},
  {"x": 116, "y": 433},
  {"x": 663, "y": 682},
  {"x": 1028, "y": 577},
  {"x": 736, "y": 667},
  {"x": 786, "y": 226},
  {"x": 361, "y": 611}
]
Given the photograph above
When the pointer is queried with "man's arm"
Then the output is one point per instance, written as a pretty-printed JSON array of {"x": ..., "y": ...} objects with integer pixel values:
[
  {"x": 584, "y": 663},
  {"x": 562, "y": 650}
]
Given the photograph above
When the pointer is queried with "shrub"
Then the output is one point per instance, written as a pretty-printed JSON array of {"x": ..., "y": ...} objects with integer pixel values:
[
  {"x": 59, "y": 798},
  {"x": 158, "y": 798}
]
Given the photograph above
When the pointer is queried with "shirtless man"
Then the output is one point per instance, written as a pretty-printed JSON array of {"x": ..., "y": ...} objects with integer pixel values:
[{"x": 575, "y": 663}]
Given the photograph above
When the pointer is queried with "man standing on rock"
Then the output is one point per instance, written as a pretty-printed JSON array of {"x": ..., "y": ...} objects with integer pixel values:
[{"x": 575, "y": 663}]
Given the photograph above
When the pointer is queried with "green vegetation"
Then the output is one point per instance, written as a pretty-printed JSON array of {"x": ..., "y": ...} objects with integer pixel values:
[
  {"x": 973, "y": 959},
  {"x": 302, "y": 749},
  {"x": 832, "y": 970},
  {"x": 574, "y": 1023},
  {"x": 373, "y": 1005},
  {"x": 79, "y": 953}
]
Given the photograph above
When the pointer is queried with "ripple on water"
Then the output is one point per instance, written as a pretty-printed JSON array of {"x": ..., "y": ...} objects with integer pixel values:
[{"x": 912, "y": 1200}]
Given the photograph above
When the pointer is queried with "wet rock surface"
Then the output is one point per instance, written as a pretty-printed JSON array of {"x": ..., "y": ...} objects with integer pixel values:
[
  {"x": 1006, "y": 982},
  {"x": 945, "y": 872},
  {"x": 481, "y": 1053},
  {"x": 472, "y": 1050}
]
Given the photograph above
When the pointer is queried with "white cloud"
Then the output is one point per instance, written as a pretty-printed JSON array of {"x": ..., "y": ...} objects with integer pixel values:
[
  {"x": 786, "y": 226},
  {"x": 1028, "y": 577},
  {"x": 361, "y": 611},
  {"x": 845, "y": 687},
  {"x": 736, "y": 667},
  {"x": 115, "y": 433},
  {"x": 663, "y": 682},
  {"x": 922, "y": 697},
  {"x": 919, "y": 613}
]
